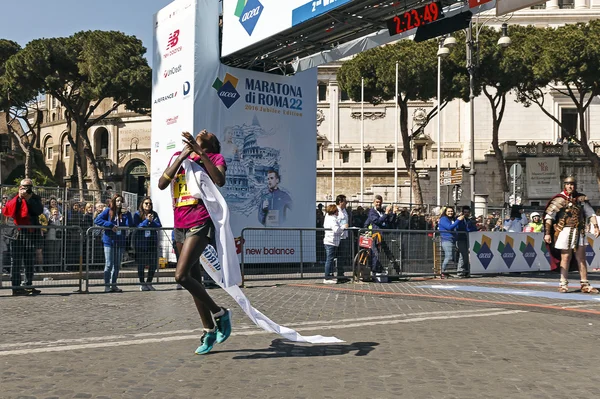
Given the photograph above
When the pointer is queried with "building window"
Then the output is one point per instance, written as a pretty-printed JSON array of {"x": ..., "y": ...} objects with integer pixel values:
[
  {"x": 49, "y": 153},
  {"x": 322, "y": 92},
  {"x": 67, "y": 150},
  {"x": 344, "y": 96},
  {"x": 367, "y": 156},
  {"x": 4, "y": 142},
  {"x": 345, "y": 156},
  {"x": 53, "y": 103},
  {"x": 568, "y": 119},
  {"x": 53, "y": 116},
  {"x": 566, "y": 4},
  {"x": 319, "y": 149},
  {"x": 420, "y": 152},
  {"x": 390, "y": 156}
]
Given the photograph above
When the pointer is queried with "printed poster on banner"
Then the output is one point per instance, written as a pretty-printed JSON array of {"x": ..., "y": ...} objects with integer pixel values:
[
  {"x": 543, "y": 177},
  {"x": 495, "y": 252},
  {"x": 246, "y": 22},
  {"x": 266, "y": 125},
  {"x": 268, "y": 135}
]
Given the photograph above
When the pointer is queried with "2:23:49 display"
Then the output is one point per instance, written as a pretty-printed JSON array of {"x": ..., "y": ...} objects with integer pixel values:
[{"x": 415, "y": 18}]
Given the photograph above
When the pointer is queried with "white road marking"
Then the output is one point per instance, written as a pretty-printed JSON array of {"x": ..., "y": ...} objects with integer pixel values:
[
  {"x": 144, "y": 341},
  {"x": 236, "y": 327}
]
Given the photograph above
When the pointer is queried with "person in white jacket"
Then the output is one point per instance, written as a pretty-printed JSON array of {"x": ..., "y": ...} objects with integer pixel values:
[
  {"x": 516, "y": 221},
  {"x": 332, "y": 238}
]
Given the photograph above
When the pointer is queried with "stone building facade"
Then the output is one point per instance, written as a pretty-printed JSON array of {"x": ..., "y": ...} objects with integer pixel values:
[
  {"x": 339, "y": 125},
  {"x": 120, "y": 143}
]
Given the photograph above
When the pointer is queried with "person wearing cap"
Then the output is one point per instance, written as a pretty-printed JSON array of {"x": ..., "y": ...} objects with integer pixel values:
[
  {"x": 565, "y": 222},
  {"x": 465, "y": 226},
  {"x": 536, "y": 225}
]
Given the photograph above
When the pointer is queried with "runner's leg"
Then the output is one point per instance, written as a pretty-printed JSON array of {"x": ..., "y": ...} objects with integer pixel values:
[{"x": 190, "y": 252}]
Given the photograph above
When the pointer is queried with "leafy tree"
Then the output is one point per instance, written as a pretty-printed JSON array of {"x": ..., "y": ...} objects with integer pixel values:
[
  {"x": 18, "y": 105},
  {"x": 417, "y": 80},
  {"x": 565, "y": 60},
  {"x": 81, "y": 71},
  {"x": 500, "y": 71}
]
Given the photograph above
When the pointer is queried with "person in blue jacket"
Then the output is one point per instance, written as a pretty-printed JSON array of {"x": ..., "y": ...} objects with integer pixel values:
[
  {"x": 114, "y": 240},
  {"x": 465, "y": 225},
  {"x": 145, "y": 242},
  {"x": 447, "y": 226},
  {"x": 379, "y": 219}
]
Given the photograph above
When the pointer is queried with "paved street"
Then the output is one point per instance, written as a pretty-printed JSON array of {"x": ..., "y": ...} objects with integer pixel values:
[{"x": 483, "y": 337}]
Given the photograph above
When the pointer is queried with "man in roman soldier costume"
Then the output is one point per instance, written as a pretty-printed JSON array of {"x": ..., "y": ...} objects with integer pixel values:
[{"x": 565, "y": 219}]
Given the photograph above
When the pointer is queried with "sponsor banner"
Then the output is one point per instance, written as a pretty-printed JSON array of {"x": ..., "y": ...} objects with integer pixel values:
[
  {"x": 246, "y": 22},
  {"x": 172, "y": 104},
  {"x": 493, "y": 252},
  {"x": 265, "y": 123},
  {"x": 543, "y": 177}
]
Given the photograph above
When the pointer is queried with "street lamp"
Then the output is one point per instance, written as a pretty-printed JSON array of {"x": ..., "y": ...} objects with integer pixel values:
[
  {"x": 472, "y": 65},
  {"x": 445, "y": 44}
]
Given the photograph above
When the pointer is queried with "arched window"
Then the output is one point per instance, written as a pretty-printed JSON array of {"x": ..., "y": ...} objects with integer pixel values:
[
  {"x": 101, "y": 142},
  {"x": 65, "y": 147},
  {"x": 49, "y": 148}
]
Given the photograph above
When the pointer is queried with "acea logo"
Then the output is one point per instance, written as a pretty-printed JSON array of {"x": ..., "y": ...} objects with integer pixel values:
[
  {"x": 248, "y": 11},
  {"x": 506, "y": 251},
  {"x": 483, "y": 251},
  {"x": 226, "y": 89},
  {"x": 527, "y": 248},
  {"x": 589, "y": 251},
  {"x": 544, "y": 248}
]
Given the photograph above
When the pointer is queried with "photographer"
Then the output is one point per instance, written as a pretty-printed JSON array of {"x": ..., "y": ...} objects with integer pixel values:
[{"x": 25, "y": 209}]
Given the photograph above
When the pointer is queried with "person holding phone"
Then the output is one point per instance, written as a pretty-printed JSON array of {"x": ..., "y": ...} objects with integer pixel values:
[
  {"x": 114, "y": 240},
  {"x": 145, "y": 242},
  {"x": 25, "y": 209}
]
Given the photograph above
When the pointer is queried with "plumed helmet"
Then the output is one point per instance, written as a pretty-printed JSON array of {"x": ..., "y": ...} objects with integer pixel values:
[
  {"x": 570, "y": 179},
  {"x": 534, "y": 214}
]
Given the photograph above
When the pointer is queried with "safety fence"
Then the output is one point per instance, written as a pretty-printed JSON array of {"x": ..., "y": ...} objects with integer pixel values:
[
  {"x": 68, "y": 256},
  {"x": 268, "y": 253}
]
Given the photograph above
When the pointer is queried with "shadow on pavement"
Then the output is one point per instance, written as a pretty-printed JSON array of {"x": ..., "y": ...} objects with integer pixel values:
[{"x": 284, "y": 348}]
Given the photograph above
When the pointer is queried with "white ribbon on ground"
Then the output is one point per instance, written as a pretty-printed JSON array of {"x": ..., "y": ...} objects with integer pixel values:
[{"x": 210, "y": 262}]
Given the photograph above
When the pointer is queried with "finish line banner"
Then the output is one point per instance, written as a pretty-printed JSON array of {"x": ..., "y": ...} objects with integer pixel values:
[
  {"x": 266, "y": 125},
  {"x": 492, "y": 252}
]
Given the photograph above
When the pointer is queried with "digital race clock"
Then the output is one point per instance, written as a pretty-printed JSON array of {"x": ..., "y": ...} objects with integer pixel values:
[{"x": 414, "y": 18}]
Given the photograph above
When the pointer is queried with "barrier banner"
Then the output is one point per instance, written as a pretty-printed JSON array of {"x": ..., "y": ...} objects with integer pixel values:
[
  {"x": 496, "y": 252},
  {"x": 266, "y": 125}
]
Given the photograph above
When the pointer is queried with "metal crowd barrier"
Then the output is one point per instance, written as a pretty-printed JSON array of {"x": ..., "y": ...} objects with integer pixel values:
[
  {"x": 147, "y": 250},
  {"x": 294, "y": 253},
  {"x": 34, "y": 255}
]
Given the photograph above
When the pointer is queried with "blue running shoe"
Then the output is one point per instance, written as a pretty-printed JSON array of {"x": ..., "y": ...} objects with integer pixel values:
[
  {"x": 207, "y": 341},
  {"x": 223, "y": 326}
]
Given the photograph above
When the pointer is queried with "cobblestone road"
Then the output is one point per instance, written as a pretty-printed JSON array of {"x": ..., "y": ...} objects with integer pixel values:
[{"x": 402, "y": 339}]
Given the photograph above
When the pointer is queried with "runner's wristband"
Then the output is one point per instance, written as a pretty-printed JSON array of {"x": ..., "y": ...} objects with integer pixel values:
[{"x": 166, "y": 176}]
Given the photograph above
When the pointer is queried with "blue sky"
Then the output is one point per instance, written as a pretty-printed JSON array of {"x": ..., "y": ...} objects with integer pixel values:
[{"x": 34, "y": 19}]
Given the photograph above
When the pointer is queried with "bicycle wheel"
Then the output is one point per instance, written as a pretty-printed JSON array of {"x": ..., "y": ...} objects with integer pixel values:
[{"x": 361, "y": 266}]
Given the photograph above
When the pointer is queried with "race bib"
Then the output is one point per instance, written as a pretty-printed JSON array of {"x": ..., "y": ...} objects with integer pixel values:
[{"x": 180, "y": 192}]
